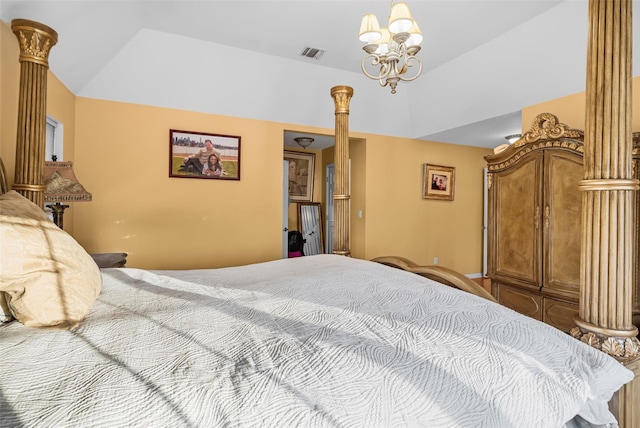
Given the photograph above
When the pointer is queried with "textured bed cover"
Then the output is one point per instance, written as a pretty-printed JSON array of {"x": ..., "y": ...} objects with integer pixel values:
[{"x": 320, "y": 341}]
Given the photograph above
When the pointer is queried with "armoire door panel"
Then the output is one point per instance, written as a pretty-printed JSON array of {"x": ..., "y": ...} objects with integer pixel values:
[
  {"x": 562, "y": 224},
  {"x": 516, "y": 221},
  {"x": 520, "y": 301},
  {"x": 559, "y": 314}
]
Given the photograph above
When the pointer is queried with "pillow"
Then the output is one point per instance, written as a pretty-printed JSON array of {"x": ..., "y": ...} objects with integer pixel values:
[
  {"x": 5, "y": 313},
  {"x": 47, "y": 278}
]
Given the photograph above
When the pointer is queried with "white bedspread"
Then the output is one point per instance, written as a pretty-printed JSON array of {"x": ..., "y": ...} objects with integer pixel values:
[{"x": 321, "y": 341}]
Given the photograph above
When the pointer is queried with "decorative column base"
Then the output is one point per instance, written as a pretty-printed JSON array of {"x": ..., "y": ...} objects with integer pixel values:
[{"x": 623, "y": 345}]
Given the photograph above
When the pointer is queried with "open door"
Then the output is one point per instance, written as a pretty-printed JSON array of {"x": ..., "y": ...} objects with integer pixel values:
[{"x": 285, "y": 209}]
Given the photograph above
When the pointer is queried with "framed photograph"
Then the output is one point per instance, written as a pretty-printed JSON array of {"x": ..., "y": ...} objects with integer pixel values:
[
  {"x": 438, "y": 182},
  {"x": 301, "y": 170},
  {"x": 204, "y": 155}
]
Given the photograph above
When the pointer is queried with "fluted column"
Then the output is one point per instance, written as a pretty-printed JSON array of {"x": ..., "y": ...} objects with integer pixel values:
[
  {"x": 341, "y": 198},
  {"x": 605, "y": 318},
  {"x": 35, "y": 40}
]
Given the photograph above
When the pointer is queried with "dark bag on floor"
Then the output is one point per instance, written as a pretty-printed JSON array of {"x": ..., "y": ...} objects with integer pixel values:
[{"x": 296, "y": 244}]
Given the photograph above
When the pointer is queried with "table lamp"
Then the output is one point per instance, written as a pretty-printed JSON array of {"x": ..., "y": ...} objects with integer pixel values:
[{"x": 62, "y": 186}]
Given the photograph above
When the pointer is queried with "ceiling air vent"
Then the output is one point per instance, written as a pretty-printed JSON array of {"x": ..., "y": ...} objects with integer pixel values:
[{"x": 314, "y": 53}]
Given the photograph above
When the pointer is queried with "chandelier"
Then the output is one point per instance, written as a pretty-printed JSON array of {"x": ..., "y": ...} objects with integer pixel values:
[{"x": 391, "y": 50}]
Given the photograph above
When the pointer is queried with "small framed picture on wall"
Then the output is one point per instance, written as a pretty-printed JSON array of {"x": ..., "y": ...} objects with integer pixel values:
[
  {"x": 301, "y": 171},
  {"x": 438, "y": 182}
]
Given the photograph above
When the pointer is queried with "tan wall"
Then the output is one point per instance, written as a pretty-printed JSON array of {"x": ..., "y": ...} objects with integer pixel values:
[
  {"x": 360, "y": 191},
  {"x": 400, "y": 222},
  {"x": 122, "y": 155},
  {"x": 9, "y": 85}
]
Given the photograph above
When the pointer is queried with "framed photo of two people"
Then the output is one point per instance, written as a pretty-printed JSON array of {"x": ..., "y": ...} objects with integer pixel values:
[
  {"x": 204, "y": 155},
  {"x": 438, "y": 182}
]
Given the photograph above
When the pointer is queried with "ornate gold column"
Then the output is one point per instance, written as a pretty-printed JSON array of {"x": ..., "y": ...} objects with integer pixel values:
[
  {"x": 341, "y": 198},
  {"x": 35, "y": 40},
  {"x": 605, "y": 320}
]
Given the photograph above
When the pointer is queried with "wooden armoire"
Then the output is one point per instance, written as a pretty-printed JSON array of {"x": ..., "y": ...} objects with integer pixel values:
[{"x": 534, "y": 223}]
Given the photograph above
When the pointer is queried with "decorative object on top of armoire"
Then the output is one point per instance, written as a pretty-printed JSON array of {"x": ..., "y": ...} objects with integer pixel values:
[{"x": 534, "y": 222}]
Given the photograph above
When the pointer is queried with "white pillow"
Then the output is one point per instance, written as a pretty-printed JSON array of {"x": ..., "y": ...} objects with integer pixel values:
[{"x": 46, "y": 277}]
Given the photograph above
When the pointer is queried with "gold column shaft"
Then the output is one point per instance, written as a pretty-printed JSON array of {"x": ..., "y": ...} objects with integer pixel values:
[
  {"x": 35, "y": 41},
  {"x": 341, "y": 96},
  {"x": 605, "y": 317}
]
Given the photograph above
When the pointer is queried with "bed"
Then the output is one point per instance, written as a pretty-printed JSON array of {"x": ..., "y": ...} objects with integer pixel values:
[{"x": 324, "y": 340}]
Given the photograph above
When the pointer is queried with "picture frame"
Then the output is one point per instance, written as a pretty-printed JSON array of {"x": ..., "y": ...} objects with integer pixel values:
[
  {"x": 438, "y": 182},
  {"x": 194, "y": 154},
  {"x": 301, "y": 173}
]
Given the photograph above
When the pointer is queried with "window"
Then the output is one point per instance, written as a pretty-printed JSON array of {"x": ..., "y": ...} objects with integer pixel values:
[{"x": 53, "y": 140}]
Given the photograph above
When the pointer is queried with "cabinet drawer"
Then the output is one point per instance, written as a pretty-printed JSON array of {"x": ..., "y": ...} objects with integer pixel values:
[
  {"x": 559, "y": 314},
  {"x": 520, "y": 301}
]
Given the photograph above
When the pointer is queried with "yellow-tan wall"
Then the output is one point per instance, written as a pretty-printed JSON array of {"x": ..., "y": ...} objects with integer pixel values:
[
  {"x": 400, "y": 222},
  {"x": 122, "y": 155},
  {"x": 9, "y": 84}
]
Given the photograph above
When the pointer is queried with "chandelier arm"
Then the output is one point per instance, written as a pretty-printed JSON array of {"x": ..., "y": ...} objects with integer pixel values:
[
  {"x": 409, "y": 62},
  {"x": 375, "y": 61}
]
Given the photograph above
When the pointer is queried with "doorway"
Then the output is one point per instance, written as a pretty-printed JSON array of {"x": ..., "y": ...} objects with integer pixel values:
[{"x": 285, "y": 209}]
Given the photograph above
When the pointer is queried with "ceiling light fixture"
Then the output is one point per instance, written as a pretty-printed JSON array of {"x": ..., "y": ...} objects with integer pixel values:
[
  {"x": 513, "y": 138},
  {"x": 392, "y": 50},
  {"x": 304, "y": 142}
]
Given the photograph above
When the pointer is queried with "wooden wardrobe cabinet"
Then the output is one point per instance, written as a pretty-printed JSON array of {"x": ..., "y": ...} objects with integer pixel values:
[
  {"x": 534, "y": 223},
  {"x": 534, "y": 235},
  {"x": 534, "y": 227}
]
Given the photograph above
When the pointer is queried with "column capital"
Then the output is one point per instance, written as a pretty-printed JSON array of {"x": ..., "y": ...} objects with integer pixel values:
[
  {"x": 35, "y": 39},
  {"x": 342, "y": 96}
]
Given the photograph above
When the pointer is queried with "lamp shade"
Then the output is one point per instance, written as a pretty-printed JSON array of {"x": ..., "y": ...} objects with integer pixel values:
[
  {"x": 369, "y": 29},
  {"x": 400, "y": 20},
  {"x": 61, "y": 183},
  {"x": 415, "y": 35}
]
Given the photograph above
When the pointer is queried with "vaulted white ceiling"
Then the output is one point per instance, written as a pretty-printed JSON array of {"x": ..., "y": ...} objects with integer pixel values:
[{"x": 483, "y": 60}]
